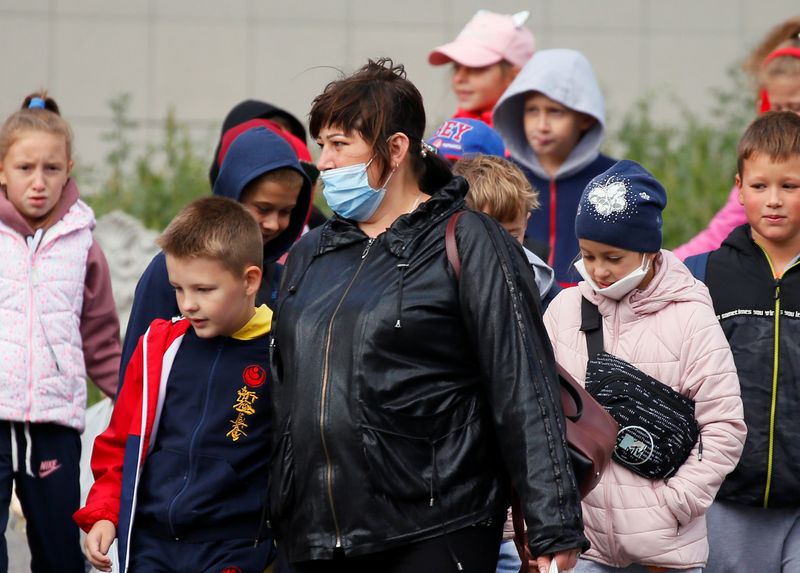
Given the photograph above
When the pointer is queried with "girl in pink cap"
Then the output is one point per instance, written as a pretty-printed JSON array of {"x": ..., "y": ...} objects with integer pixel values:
[{"x": 486, "y": 56}]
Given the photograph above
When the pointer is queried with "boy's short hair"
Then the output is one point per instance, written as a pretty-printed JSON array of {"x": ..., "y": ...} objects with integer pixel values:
[
  {"x": 775, "y": 134},
  {"x": 285, "y": 176},
  {"x": 215, "y": 228},
  {"x": 496, "y": 186}
]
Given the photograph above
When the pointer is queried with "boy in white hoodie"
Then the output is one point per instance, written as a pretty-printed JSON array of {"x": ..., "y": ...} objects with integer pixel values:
[{"x": 552, "y": 119}]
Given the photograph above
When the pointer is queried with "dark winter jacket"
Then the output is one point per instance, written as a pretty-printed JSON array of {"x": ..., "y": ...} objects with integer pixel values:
[
  {"x": 393, "y": 379},
  {"x": 761, "y": 318},
  {"x": 245, "y": 161},
  {"x": 553, "y": 223}
]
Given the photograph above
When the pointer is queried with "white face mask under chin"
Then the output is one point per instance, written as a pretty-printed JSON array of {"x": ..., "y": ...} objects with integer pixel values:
[{"x": 620, "y": 288}]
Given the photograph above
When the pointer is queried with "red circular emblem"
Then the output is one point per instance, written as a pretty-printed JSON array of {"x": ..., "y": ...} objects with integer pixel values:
[
  {"x": 254, "y": 375},
  {"x": 231, "y": 570}
]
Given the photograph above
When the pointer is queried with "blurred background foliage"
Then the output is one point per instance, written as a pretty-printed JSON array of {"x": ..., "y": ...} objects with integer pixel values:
[{"x": 694, "y": 158}]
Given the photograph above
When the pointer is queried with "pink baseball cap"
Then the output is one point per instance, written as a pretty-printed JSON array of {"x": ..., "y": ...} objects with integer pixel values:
[{"x": 488, "y": 39}]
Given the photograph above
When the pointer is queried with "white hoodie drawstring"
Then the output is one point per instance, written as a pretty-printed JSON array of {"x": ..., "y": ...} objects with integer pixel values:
[
  {"x": 28, "y": 449},
  {"x": 14, "y": 460}
]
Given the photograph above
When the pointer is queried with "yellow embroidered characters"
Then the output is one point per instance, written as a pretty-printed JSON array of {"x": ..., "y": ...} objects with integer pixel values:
[{"x": 254, "y": 376}]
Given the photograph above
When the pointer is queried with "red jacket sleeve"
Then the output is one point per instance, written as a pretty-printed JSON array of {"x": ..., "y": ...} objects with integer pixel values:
[{"x": 109, "y": 450}]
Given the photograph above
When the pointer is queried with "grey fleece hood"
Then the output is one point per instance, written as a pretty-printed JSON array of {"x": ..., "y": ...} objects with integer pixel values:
[{"x": 565, "y": 76}]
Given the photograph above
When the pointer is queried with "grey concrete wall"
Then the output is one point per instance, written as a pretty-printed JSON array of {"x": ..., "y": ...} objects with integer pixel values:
[{"x": 202, "y": 56}]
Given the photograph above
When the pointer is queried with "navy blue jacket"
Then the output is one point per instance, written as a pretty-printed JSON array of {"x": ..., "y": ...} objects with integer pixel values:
[
  {"x": 252, "y": 154},
  {"x": 553, "y": 223},
  {"x": 206, "y": 476}
]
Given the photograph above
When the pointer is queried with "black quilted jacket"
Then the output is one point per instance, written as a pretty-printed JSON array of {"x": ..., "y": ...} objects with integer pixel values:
[{"x": 761, "y": 318}]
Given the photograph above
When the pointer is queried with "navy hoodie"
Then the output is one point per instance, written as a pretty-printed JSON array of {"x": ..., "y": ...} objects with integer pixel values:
[
  {"x": 564, "y": 76},
  {"x": 252, "y": 154},
  {"x": 205, "y": 478}
]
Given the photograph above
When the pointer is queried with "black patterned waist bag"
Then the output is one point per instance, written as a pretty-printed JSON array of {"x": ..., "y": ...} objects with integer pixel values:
[{"x": 658, "y": 429}]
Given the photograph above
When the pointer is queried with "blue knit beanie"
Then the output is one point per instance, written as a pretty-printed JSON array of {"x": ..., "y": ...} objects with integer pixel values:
[{"x": 622, "y": 208}]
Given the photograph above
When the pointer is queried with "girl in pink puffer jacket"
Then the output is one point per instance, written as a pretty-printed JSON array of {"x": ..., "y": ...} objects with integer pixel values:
[{"x": 657, "y": 317}]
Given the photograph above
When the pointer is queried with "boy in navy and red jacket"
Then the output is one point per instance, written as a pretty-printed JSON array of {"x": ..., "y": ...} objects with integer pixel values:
[
  {"x": 246, "y": 164},
  {"x": 181, "y": 471},
  {"x": 552, "y": 119}
]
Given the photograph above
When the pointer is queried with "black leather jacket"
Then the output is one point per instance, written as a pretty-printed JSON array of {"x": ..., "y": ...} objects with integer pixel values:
[{"x": 401, "y": 395}]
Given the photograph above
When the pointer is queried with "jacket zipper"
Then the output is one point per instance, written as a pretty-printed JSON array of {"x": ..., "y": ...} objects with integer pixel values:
[
  {"x": 552, "y": 257},
  {"x": 33, "y": 246},
  {"x": 324, "y": 395},
  {"x": 775, "y": 362},
  {"x": 192, "y": 442}
]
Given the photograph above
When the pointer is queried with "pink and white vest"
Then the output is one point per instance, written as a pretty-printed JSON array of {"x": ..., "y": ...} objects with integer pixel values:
[{"x": 41, "y": 301}]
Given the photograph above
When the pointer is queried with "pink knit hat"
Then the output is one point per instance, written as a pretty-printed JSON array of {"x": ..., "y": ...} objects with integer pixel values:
[{"x": 488, "y": 39}]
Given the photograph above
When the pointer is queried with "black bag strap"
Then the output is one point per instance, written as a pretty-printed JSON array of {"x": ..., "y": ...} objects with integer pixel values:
[{"x": 592, "y": 327}]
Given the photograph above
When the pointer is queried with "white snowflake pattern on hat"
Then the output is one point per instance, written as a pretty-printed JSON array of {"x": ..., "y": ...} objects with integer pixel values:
[{"x": 609, "y": 198}]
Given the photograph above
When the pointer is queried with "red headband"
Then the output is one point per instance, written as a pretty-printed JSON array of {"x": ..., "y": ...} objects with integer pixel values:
[{"x": 789, "y": 51}]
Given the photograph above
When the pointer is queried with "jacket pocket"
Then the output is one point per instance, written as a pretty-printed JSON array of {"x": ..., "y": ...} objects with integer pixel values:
[
  {"x": 281, "y": 483},
  {"x": 415, "y": 457}
]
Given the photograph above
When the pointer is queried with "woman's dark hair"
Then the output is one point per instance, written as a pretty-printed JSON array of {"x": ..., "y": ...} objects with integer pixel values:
[{"x": 378, "y": 101}]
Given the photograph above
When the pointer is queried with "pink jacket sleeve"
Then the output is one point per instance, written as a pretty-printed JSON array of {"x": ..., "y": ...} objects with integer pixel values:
[
  {"x": 711, "y": 381},
  {"x": 726, "y": 220},
  {"x": 100, "y": 324}
]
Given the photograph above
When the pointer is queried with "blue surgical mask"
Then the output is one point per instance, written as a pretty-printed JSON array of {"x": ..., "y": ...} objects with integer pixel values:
[{"x": 349, "y": 194}]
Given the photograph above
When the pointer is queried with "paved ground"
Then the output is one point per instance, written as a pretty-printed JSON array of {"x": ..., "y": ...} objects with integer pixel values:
[{"x": 19, "y": 558}]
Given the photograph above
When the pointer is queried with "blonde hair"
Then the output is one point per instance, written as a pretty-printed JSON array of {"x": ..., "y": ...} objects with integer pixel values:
[
  {"x": 496, "y": 186},
  {"x": 47, "y": 119},
  {"x": 784, "y": 35},
  {"x": 215, "y": 228}
]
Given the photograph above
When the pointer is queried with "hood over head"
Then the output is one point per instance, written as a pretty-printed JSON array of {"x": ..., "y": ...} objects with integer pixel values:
[
  {"x": 254, "y": 109},
  {"x": 565, "y": 76},
  {"x": 251, "y": 155}
]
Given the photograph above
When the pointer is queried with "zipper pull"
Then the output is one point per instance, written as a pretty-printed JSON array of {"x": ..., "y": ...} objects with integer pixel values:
[
  {"x": 777, "y": 289},
  {"x": 700, "y": 448},
  {"x": 366, "y": 249}
]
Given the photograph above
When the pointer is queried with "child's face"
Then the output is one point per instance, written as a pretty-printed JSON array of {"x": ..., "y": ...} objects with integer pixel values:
[
  {"x": 607, "y": 264},
  {"x": 784, "y": 93},
  {"x": 552, "y": 130},
  {"x": 270, "y": 203},
  {"x": 34, "y": 171},
  {"x": 478, "y": 89},
  {"x": 770, "y": 193},
  {"x": 216, "y": 302},
  {"x": 516, "y": 227}
]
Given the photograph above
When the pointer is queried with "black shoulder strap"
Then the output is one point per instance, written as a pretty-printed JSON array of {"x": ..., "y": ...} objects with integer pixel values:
[{"x": 592, "y": 327}]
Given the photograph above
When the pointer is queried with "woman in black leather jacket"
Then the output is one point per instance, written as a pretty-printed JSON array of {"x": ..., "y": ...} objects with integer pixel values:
[{"x": 404, "y": 396}]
